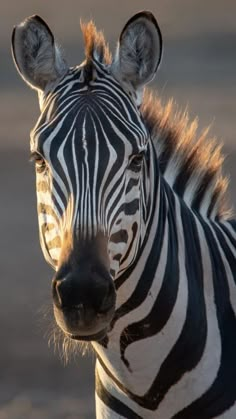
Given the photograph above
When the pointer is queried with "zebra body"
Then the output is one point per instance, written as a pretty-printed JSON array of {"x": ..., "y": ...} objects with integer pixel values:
[
  {"x": 132, "y": 218},
  {"x": 194, "y": 336}
]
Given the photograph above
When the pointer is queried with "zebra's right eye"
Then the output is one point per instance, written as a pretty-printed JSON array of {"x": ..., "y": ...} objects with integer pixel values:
[
  {"x": 40, "y": 163},
  {"x": 136, "y": 162}
]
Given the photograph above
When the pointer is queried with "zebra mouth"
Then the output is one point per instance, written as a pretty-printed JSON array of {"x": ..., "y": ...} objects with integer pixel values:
[{"x": 94, "y": 337}]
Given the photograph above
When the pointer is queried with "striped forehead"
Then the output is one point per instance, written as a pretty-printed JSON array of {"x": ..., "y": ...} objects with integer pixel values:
[{"x": 78, "y": 105}]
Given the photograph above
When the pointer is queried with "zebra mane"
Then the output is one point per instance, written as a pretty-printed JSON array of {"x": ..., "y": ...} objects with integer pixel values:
[
  {"x": 95, "y": 46},
  {"x": 191, "y": 164}
]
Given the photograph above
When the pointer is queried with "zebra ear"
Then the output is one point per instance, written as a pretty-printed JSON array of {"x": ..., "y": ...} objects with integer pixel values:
[
  {"x": 139, "y": 51},
  {"x": 36, "y": 56}
]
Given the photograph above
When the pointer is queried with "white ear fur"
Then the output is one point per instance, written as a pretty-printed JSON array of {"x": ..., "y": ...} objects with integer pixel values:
[
  {"x": 138, "y": 53},
  {"x": 36, "y": 56}
]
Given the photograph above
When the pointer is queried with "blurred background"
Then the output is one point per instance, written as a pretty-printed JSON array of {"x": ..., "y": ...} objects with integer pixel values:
[{"x": 198, "y": 70}]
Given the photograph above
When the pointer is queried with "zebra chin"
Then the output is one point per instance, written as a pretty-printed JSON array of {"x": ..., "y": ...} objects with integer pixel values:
[{"x": 77, "y": 328}]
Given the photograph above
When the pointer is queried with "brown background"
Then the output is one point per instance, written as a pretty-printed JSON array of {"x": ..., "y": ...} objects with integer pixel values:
[{"x": 198, "y": 69}]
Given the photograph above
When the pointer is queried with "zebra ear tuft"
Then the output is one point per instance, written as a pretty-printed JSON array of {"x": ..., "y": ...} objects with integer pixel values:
[
  {"x": 139, "y": 51},
  {"x": 36, "y": 56}
]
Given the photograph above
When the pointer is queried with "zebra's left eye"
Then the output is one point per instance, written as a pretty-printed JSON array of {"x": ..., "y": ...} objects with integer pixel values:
[
  {"x": 40, "y": 163},
  {"x": 136, "y": 161}
]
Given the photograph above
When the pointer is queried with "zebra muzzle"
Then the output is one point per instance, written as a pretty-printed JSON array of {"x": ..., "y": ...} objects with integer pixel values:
[{"x": 84, "y": 302}]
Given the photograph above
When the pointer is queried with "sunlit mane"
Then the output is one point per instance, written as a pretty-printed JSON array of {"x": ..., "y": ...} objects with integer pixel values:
[
  {"x": 95, "y": 44},
  {"x": 191, "y": 164}
]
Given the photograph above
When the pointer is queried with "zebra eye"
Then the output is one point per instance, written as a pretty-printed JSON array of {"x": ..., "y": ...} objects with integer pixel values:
[
  {"x": 136, "y": 162},
  {"x": 40, "y": 163}
]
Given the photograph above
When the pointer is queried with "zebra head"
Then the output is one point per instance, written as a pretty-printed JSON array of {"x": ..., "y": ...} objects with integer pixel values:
[{"x": 92, "y": 156}]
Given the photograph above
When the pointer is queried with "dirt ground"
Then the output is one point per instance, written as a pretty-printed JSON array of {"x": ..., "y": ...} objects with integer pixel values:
[{"x": 198, "y": 69}]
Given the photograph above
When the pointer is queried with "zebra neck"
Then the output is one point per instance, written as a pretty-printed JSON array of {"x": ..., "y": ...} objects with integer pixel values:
[{"x": 152, "y": 301}]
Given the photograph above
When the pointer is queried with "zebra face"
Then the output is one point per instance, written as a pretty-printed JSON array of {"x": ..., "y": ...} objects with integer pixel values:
[
  {"x": 89, "y": 190},
  {"x": 91, "y": 151},
  {"x": 90, "y": 193},
  {"x": 90, "y": 148}
]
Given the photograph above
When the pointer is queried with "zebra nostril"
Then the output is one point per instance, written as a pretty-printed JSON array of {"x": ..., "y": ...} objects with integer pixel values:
[{"x": 56, "y": 292}]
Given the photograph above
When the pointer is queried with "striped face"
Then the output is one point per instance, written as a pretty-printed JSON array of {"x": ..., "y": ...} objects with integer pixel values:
[{"x": 90, "y": 152}]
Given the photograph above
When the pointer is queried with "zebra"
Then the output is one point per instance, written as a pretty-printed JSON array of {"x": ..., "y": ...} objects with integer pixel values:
[{"x": 134, "y": 219}]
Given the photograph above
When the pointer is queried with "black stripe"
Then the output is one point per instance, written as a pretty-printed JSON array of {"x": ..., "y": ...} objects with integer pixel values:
[
  {"x": 182, "y": 178},
  {"x": 222, "y": 394},
  {"x": 134, "y": 231},
  {"x": 201, "y": 189},
  {"x": 112, "y": 402},
  {"x": 120, "y": 236},
  {"x": 226, "y": 250},
  {"x": 228, "y": 233},
  {"x": 132, "y": 183},
  {"x": 101, "y": 124}
]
